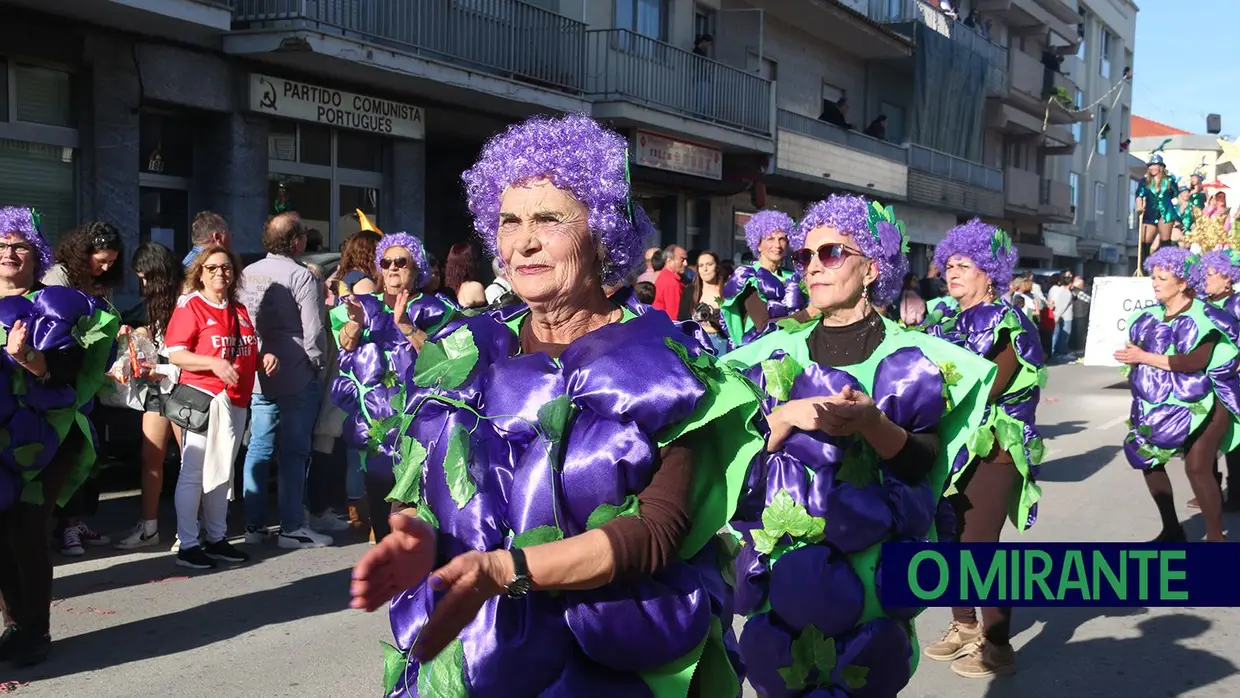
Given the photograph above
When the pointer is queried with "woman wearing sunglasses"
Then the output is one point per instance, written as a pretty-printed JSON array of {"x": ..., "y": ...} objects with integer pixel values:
[
  {"x": 379, "y": 338},
  {"x": 865, "y": 421},
  {"x": 996, "y": 481},
  {"x": 58, "y": 345},
  {"x": 758, "y": 293}
]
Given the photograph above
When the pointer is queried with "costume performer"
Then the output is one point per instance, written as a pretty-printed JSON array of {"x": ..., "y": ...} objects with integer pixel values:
[
  {"x": 758, "y": 293},
  {"x": 865, "y": 419},
  {"x": 1156, "y": 197},
  {"x": 59, "y": 344},
  {"x": 567, "y": 463},
  {"x": 1184, "y": 389},
  {"x": 997, "y": 479},
  {"x": 379, "y": 337}
]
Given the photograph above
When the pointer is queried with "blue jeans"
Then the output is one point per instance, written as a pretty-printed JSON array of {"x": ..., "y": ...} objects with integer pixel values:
[
  {"x": 292, "y": 418},
  {"x": 1061, "y": 341}
]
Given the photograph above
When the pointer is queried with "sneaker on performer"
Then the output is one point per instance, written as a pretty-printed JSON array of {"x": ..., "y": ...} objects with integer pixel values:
[
  {"x": 90, "y": 537},
  {"x": 257, "y": 535},
  {"x": 986, "y": 660},
  {"x": 71, "y": 542},
  {"x": 958, "y": 641},
  {"x": 224, "y": 551},
  {"x": 144, "y": 533},
  {"x": 303, "y": 538},
  {"x": 195, "y": 558},
  {"x": 328, "y": 522}
]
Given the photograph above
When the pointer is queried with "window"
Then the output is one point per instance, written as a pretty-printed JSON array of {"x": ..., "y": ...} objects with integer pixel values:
[
  {"x": 645, "y": 17},
  {"x": 895, "y": 121},
  {"x": 1100, "y": 204},
  {"x": 42, "y": 177},
  {"x": 1074, "y": 186},
  {"x": 1104, "y": 129},
  {"x": 1076, "y": 127},
  {"x": 166, "y": 145},
  {"x": 1080, "y": 34},
  {"x": 1133, "y": 185},
  {"x": 1104, "y": 53},
  {"x": 766, "y": 68},
  {"x": 43, "y": 96},
  {"x": 704, "y": 24},
  {"x": 831, "y": 96}
]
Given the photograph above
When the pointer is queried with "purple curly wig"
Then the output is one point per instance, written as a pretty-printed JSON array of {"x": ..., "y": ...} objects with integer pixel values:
[
  {"x": 976, "y": 241},
  {"x": 850, "y": 215},
  {"x": 1182, "y": 263},
  {"x": 417, "y": 253},
  {"x": 1225, "y": 262},
  {"x": 25, "y": 222},
  {"x": 576, "y": 154},
  {"x": 766, "y": 223}
]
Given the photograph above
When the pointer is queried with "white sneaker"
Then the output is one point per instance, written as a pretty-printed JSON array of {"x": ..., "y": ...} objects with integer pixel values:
[
  {"x": 71, "y": 542},
  {"x": 328, "y": 522},
  {"x": 257, "y": 536},
  {"x": 176, "y": 544},
  {"x": 139, "y": 539},
  {"x": 303, "y": 538}
]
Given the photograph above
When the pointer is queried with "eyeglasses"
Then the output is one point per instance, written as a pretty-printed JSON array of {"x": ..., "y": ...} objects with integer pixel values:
[
  {"x": 222, "y": 269},
  {"x": 389, "y": 262},
  {"x": 20, "y": 249},
  {"x": 831, "y": 255}
]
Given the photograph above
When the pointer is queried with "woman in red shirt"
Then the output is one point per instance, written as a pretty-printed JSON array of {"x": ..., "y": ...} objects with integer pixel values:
[{"x": 211, "y": 338}]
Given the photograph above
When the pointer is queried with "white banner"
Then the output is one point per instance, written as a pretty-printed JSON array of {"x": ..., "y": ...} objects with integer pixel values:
[
  {"x": 1114, "y": 301},
  {"x": 298, "y": 100}
]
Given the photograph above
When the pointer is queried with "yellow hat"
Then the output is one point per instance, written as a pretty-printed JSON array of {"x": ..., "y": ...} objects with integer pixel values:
[{"x": 366, "y": 224}]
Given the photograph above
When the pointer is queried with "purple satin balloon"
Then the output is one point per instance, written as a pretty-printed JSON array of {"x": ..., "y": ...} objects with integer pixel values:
[
  {"x": 908, "y": 388},
  {"x": 783, "y": 473},
  {"x": 581, "y": 678},
  {"x": 856, "y": 517},
  {"x": 882, "y": 646},
  {"x": 594, "y": 442},
  {"x": 752, "y": 573},
  {"x": 799, "y": 575},
  {"x": 913, "y": 506},
  {"x": 766, "y": 649}
]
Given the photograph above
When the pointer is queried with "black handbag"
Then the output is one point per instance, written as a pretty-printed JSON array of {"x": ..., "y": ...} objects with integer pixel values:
[{"x": 189, "y": 407}]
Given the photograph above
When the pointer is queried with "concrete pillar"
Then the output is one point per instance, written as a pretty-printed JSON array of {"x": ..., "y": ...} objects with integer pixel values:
[
  {"x": 230, "y": 163},
  {"x": 402, "y": 204}
]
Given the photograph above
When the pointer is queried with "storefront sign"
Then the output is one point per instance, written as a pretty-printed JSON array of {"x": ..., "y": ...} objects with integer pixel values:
[
  {"x": 677, "y": 156},
  {"x": 298, "y": 100},
  {"x": 1062, "y": 245},
  {"x": 1115, "y": 300}
]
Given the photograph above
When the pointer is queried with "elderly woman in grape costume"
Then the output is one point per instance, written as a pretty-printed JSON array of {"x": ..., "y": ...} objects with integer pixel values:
[
  {"x": 758, "y": 293},
  {"x": 58, "y": 343},
  {"x": 994, "y": 481},
  {"x": 566, "y": 464},
  {"x": 379, "y": 338},
  {"x": 1184, "y": 389},
  {"x": 865, "y": 419},
  {"x": 1217, "y": 286}
]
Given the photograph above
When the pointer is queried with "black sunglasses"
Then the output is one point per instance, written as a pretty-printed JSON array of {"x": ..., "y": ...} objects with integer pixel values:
[
  {"x": 398, "y": 262},
  {"x": 831, "y": 255}
]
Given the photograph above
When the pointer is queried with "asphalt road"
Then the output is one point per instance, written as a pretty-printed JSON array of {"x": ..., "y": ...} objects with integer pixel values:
[{"x": 134, "y": 624}]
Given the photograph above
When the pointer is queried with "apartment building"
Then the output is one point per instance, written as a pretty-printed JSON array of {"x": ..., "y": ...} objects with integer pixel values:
[{"x": 1100, "y": 172}]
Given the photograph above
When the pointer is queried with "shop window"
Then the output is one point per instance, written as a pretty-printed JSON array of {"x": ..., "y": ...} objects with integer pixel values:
[
  {"x": 353, "y": 199},
  {"x": 166, "y": 145},
  {"x": 359, "y": 151},
  {"x": 314, "y": 144},
  {"x": 40, "y": 176},
  {"x": 43, "y": 95}
]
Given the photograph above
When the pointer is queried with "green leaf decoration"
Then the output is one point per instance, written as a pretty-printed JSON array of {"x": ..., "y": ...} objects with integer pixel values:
[
  {"x": 763, "y": 542},
  {"x": 811, "y": 651},
  {"x": 795, "y": 677},
  {"x": 951, "y": 376},
  {"x": 1037, "y": 450},
  {"x": 1125, "y": 369},
  {"x": 425, "y": 513},
  {"x": 444, "y": 676},
  {"x": 1043, "y": 376},
  {"x": 1000, "y": 243},
  {"x": 855, "y": 675},
  {"x": 982, "y": 442},
  {"x": 783, "y": 516},
  {"x": 87, "y": 331},
  {"x": 26, "y": 455},
  {"x": 1197, "y": 408},
  {"x": 391, "y": 380},
  {"x": 397, "y": 401},
  {"x": 456, "y": 467},
  {"x": 553, "y": 418},
  {"x": 378, "y": 432},
  {"x": 1145, "y": 430},
  {"x": 607, "y": 512},
  {"x": 779, "y": 375},
  {"x": 448, "y": 362},
  {"x": 702, "y": 366},
  {"x": 858, "y": 467},
  {"x": 408, "y": 472},
  {"x": 537, "y": 536},
  {"x": 1009, "y": 434},
  {"x": 394, "y": 664},
  {"x": 32, "y": 493}
]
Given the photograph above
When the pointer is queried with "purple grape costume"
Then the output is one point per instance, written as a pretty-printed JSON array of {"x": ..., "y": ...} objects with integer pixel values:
[
  {"x": 1227, "y": 263},
  {"x": 781, "y": 292},
  {"x": 503, "y": 449},
  {"x": 1011, "y": 423},
  {"x": 1168, "y": 407},
  {"x": 35, "y": 417},
  {"x": 371, "y": 385},
  {"x": 813, "y": 515}
]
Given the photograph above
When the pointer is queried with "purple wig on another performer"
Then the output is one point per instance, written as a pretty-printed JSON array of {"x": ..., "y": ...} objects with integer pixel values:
[
  {"x": 25, "y": 222},
  {"x": 881, "y": 239},
  {"x": 765, "y": 223},
  {"x": 577, "y": 155},
  {"x": 1180, "y": 262},
  {"x": 1224, "y": 262},
  {"x": 986, "y": 246},
  {"x": 417, "y": 254}
]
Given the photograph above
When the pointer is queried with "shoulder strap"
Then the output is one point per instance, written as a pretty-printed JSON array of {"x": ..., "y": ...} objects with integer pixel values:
[{"x": 236, "y": 334}]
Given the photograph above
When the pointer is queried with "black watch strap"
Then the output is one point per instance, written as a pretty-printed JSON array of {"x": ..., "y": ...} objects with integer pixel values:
[{"x": 521, "y": 582}]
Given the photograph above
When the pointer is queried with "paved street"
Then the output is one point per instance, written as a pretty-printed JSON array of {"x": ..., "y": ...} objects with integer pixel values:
[{"x": 137, "y": 625}]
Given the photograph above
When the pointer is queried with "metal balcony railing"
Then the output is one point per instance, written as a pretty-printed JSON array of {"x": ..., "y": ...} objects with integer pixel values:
[
  {"x": 953, "y": 168},
  {"x": 626, "y": 65},
  {"x": 502, "y": 37},
  {"x": 824, "y": 131},
  {"x": 899, "y": 11}
]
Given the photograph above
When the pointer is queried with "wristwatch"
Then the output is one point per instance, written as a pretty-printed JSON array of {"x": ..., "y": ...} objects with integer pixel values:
[{"x": 521, "y": 582}]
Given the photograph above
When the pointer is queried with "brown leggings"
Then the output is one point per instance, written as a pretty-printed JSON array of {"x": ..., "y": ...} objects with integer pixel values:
[
  {"x": 25, "y": 564},
  {"x": 981, "y": 505},
  {"x": 1200, "y": 461}
]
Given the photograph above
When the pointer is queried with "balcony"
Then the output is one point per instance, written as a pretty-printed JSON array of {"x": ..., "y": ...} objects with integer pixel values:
[
  {"x": 506, "y": 39},
  {"x": 811, "y": 149},
  {"x": 1032, "y": 18},
  {"x": 1055, "y": 201},
  {"x": 954, "y": 169},
  {"x": 198, "y": 20},
  {"x": 908, "y": 12},
  {"x": 1023, "y": 190},
  {"x": 624, "y": 66}
]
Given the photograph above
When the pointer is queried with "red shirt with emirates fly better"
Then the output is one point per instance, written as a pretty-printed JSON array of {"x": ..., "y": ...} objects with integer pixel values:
[{"x": 207, "y": 329}]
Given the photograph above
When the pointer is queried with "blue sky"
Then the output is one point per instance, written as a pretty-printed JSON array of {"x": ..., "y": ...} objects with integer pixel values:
[{"x": 1184, "y": 59}]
